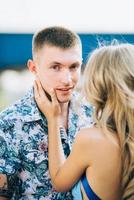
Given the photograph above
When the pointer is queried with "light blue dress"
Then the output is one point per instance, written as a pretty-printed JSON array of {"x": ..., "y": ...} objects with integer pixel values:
[{"x": 76, "y": 191}]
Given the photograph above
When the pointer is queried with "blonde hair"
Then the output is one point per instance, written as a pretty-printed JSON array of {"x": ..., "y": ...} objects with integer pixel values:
[{"x": 109, "y": 86}]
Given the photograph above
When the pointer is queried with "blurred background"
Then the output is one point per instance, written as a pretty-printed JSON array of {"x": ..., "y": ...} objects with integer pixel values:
[{"x": 96, "y": 22}]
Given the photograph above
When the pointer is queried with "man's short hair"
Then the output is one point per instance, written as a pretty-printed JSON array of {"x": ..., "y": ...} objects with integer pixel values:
[{"x": 55, "y": 36}]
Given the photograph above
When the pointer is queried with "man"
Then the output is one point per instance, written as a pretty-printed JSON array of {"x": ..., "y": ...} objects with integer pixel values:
[{"x": 57, "y": 59}]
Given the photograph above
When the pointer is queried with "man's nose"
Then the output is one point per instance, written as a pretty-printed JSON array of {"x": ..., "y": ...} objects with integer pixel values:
[{"x": 66, "y": 77}]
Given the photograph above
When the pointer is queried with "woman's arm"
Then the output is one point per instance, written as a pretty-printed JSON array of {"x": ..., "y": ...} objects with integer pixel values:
[{"x": 64, "y": 172}]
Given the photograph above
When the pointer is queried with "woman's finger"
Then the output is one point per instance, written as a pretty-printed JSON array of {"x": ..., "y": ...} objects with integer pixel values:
[
  {"x": 43, "y": 97},
  {"x": 40, "y": 88},
  {"x": 53, "y": 96}
]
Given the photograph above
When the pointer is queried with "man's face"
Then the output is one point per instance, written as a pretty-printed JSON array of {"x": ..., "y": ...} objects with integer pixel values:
[{"x": 59, "y": 69}]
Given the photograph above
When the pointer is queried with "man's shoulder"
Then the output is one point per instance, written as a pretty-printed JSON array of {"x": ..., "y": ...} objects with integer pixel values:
[
  {"x": 18, "y": 110},
  {"x": 83, "y": 109},
  {"x": 80, "y": 104},
  {"x": 8, "y": 117}
]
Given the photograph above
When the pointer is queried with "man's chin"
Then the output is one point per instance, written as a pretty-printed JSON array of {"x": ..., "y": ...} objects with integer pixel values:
[{"x": 64, "y": 100}]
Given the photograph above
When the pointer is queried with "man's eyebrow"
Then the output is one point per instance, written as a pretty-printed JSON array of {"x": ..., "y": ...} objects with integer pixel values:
[
  {"x": 76, "y": 63},
  {"x": 55, "y": 63},
  {"x": 58, "y": 63}
]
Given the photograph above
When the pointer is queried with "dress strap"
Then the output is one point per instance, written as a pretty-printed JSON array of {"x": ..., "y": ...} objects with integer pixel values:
[{"x": 89, "y": 192}]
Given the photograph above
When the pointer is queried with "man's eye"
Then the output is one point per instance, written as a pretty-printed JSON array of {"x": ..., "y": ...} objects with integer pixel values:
[
  {"x": 56, "y": 67},
  {"x": 74, "y": 67}
]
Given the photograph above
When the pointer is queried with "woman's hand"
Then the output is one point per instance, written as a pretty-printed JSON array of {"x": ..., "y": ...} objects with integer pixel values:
[{"x": 51, "y": 109}]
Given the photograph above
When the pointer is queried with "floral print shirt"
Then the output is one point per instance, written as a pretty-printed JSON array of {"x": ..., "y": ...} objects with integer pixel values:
[{"x": 24, "y": 147}]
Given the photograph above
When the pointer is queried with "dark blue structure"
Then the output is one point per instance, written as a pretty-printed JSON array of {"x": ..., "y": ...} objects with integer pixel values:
[{"x": 15, "y": 49}]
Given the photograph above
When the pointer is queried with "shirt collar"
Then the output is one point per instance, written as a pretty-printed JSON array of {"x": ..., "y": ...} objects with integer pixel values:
[{"x": 28, "y": 109}]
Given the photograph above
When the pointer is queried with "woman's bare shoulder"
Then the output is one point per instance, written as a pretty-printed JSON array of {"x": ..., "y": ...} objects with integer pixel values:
[
  {"x": 93, "y": 138},
  {"x": 88, "y": 139},
  {"x": 90, "y": 134},
  {"x": 97, "y": 146},
  {"x": 96, "y": 135}
]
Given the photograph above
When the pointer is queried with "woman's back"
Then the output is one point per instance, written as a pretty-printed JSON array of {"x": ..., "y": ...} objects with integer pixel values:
[{"x": 104, "y": 171}]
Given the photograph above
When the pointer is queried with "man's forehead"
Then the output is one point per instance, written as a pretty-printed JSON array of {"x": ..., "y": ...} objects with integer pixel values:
[
  {"x": 75, "y": 49},
  {"x": 66, "y": 59},
  {"x": 60, "y": 55}
]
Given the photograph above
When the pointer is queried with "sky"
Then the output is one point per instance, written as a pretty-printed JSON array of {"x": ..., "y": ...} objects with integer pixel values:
[{"x": 85, "y": 16}]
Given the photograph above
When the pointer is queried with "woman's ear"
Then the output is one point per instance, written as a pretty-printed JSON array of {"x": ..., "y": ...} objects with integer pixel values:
[{"x": 31, "y": 66}]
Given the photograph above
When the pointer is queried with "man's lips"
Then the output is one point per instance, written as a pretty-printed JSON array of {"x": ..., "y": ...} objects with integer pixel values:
[{"x": 65, "y": 89}]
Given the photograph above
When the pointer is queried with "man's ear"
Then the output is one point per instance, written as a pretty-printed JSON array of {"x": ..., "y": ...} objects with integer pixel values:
[{"x": 31, "y": 66}]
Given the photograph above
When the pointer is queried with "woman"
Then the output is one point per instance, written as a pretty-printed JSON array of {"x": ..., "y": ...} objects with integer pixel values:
[{"x": 102, "y": 157}]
